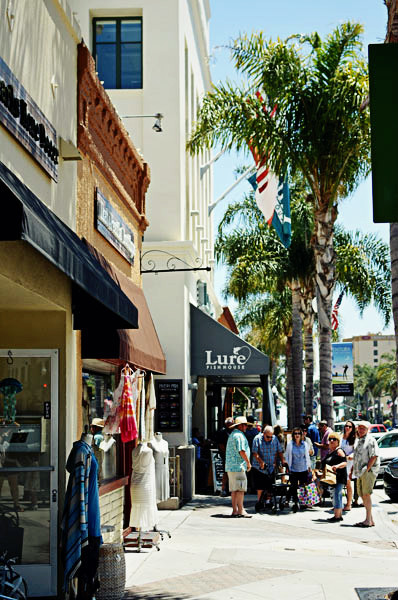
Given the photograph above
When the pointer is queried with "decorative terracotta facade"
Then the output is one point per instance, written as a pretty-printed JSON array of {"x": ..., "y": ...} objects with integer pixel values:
[
  {"x": 392, "y": 25},
  {"x": 103, "y": 138}
]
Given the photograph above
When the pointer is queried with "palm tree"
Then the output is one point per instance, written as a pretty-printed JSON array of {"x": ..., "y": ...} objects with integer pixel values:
[
  {"x": 387, "y": 376},
  {"x": 368, "y": 385},
  {"x": 258, "y": 263},
  {"x": 318, "y": 131}
]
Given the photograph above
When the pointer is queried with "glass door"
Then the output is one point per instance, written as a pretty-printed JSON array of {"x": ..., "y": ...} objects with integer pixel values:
[{"x": 28, "y": 464}]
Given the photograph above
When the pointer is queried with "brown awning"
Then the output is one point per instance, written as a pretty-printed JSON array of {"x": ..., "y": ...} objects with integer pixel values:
[{"x": 141, "y": 346}]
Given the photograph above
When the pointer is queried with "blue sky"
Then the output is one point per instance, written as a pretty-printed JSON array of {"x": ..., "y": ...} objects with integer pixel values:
[{"x": 229, "y": 18}]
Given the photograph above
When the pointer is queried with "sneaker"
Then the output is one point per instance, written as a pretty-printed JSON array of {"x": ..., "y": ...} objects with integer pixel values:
[
  {"x": 335, "y": 519},
  {"x": 223, "y": 494}
]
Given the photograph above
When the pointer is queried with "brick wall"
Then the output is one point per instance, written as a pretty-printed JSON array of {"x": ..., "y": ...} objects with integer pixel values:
[{"x": 111, "y": 508}]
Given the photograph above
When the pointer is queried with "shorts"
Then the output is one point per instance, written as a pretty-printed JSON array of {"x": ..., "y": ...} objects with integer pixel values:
[
  {"x": 262, "y": 481},
  {"x": 365, "y": 483},
  {"x": 237, "y": 481},
  {"x": 338, "y": 495}
]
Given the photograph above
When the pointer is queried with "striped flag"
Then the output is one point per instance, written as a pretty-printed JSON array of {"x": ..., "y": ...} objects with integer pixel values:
[
  {"x": 272, "y": 193},
  {"x": 335, "y": 312}
]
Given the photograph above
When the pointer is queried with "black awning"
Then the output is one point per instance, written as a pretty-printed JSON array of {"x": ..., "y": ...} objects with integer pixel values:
[
  {"x": 217, "y": 352},
  {"x": 97, "y": 300}
]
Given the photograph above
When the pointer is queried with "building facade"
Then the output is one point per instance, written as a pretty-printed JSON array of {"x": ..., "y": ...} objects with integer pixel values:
[
  {"x": 369, "y": 349},
  {"x": 73, "y": 312}
]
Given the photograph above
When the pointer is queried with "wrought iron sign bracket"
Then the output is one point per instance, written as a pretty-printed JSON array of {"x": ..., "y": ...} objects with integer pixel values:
[{"x": 171, "y": 263}]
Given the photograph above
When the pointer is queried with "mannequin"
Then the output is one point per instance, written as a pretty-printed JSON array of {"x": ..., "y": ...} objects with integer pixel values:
[
  {"x": 161, "y": 454},
  {"x": 81, "y": 527},
  {"x": 144, "y": 512}
]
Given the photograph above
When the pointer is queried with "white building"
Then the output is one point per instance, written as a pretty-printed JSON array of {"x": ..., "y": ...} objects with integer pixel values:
[
  {"x": 369, "y": 349},
  {"x": 152, "y": 56}
]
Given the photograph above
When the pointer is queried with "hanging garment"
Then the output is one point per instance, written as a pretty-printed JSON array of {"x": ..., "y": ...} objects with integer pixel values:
[
  {"x": 161, "y": 455},
  {"x": 150, "y": 408},
  {"x": 144, "y": 512},
  {"x": 81, "y": 515},
  {"x": 142, "y": 411},
  {"x": 128, "y": 425},
  {"x": 113, "y": 414}
]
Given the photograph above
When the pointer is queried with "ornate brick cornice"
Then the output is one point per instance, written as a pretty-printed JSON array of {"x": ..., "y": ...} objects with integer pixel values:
[
  {"x": 392, "y": 25},
  {"x": 103, "y": 138}
]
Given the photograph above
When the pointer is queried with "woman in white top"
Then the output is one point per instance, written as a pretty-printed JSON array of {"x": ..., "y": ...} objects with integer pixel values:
[{"x": 347, "y": 444}]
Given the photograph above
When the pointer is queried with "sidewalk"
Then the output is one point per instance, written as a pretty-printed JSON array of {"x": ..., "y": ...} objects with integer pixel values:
[{"x": 301, "y": 556}]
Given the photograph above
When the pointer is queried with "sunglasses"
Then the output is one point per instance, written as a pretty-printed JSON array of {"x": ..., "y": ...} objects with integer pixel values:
[
  {"x": 333, "y": 440},
  {"x": 348, "y": 426},
  {"x": 297, "y": 433},
  {"x": 268, "y": 437}
]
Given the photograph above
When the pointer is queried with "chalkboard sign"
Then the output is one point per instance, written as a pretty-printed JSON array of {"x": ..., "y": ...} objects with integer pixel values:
[
  {"x": 217, "y": 466},
  {"x": 168, "y": 405}
]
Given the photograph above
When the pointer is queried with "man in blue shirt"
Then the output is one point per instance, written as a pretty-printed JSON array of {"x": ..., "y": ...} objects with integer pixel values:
[
  {"x": 266, "y": 448},
  {"x": 237, "y": 462},
  {"x": 313, "y": 432}
]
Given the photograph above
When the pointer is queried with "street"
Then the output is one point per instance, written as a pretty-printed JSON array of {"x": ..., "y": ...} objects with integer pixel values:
[{"x": 214, "y": 557}]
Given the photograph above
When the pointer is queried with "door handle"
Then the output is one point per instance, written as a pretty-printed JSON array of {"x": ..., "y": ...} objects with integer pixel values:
[{"x": 54, "y": 494}]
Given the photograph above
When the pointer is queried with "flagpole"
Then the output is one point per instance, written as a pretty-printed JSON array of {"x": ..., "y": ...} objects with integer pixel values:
[
  {"x": 231, "y": 187},
  {"x": 204, "y": 167}
]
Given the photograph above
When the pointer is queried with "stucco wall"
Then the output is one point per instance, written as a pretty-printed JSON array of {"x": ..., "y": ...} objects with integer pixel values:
[{"x": 37, "y": 60}]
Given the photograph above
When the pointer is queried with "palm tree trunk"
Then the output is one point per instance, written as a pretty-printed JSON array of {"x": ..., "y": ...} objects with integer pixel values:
[
  {"x": 289, "y": 384},
  {"x": 309, "y": 371},
  {"x": 394, "y": 291},
  {"x": 325, "y": 278},
  {"x": 297, "y": 355}
]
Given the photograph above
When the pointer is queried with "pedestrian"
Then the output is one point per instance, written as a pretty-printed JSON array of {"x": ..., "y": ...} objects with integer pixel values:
[
  {"x": 313, "y": 432},
  {"x": 324, "y": 432},
  {"x": 308, "y": 441},
  {"x": 299, "y": 463},
  {"x": 222, "y": 436},
  {"x": 347, "y": 444},
  {"x": 337, "y": 460},
  {"x": 267, "y": 449},
  {"x": 237, "y": 463},
  {"x": 365, "y": 469},
  {"x": 250, "y": 434}
]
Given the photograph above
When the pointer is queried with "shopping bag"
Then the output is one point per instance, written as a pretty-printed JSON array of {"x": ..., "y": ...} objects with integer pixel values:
[{"x": 308, "y": 495}]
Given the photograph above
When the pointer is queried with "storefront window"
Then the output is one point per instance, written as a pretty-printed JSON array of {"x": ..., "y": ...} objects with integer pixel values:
[
  {"x": 25, "y": 458},
  {"x": 97, "y": 397}
]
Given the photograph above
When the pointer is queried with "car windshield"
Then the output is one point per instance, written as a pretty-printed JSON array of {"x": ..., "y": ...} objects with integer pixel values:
[{"x": 389, "y": 441}]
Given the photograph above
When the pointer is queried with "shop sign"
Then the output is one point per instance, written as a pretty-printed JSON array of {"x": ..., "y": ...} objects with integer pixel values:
[
  {"x": 169, "y": 404},
  {"x": 111, "y": 225},
  {"x": 342, "y": 369},
  {"x": 26, "y": 122},
  {"x": 236, "y": 360}
]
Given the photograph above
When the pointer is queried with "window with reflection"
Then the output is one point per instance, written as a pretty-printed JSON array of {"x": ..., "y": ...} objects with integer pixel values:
[
  {"x": 98, "y": 391},
  {"x": 117, "y": 49}
]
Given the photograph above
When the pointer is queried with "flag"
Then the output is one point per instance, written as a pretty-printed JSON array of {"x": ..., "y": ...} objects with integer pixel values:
[
  {"x": 335, "y": 311},
  {"x": 274, "y": 203},
  {"x": 272, "y": 194}
]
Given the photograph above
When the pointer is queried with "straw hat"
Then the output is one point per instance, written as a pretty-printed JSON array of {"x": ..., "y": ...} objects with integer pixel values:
[
  {"x": 239, "y": 421},
  {"x": 98, "y": 422}
]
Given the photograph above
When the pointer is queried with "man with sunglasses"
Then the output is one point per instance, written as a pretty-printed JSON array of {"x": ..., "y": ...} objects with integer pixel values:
[
  {"x": 365, "y": 469},
  {"x": 266, "y": 449}
]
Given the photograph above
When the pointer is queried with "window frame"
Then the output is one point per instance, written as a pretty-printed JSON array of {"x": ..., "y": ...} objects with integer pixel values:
[{"x": 118, "y": 43}]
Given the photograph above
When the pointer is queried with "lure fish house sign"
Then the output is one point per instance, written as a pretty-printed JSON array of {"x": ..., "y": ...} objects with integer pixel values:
[
  {"x": 234, "y": 361},
  {"x": 218, "y": 352}
]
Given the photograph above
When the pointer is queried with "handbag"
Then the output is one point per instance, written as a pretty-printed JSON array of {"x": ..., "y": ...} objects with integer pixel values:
[
  {"x": 308, "y": 495},
  {"x": 329, "y": 477}
]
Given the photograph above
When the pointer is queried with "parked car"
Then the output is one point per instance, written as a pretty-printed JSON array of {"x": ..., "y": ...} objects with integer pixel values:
[
  {"x": 339, "y": 426},
  {"x": 377, "y": 430},
  {"x": 388, "y": 446},
  {"x": 390, "y": 478}
]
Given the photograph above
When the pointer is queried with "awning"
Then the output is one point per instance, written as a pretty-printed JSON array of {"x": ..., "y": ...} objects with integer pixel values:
[
  {"x": 141, "y": 346},
  {"x": 96, "y": 298},
  {"x": 217, "y": 352}
]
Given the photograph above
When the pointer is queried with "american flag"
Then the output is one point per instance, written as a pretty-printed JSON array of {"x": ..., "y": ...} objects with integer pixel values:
[{"x": 335, "y": 312}]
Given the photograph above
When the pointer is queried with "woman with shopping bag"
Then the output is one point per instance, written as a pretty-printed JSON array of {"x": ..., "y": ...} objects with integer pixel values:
[
  {"x": 336, "y": 460},
  {"x": 299, "y": 463}
]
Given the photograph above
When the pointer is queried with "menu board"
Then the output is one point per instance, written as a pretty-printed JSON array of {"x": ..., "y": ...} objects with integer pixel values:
[
  {"x": 217, "y": 470},
  {"x": 168, "y": 405}
]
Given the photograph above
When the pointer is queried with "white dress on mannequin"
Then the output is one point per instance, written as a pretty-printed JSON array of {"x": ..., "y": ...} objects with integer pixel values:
[
  {"x": 144, "y": 512},
  {"x": 161, "y": 454}
]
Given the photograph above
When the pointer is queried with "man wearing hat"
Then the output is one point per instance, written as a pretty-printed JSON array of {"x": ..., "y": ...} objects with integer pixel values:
[
  {"x": 365, "y": 468},
  {"x": 237, "y": 462},
  {"x": 96, "y": 428}
]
